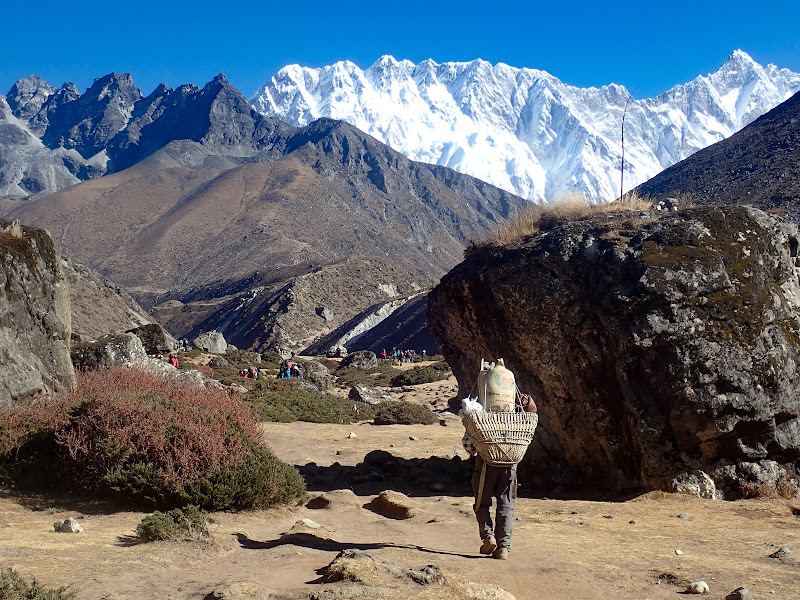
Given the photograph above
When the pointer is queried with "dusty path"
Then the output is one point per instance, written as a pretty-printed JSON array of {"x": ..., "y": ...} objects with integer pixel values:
[{"x": 562, "y": 549}]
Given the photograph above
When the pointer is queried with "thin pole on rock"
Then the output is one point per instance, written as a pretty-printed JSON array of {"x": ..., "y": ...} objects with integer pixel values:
[{"x": 622, "y": 164}]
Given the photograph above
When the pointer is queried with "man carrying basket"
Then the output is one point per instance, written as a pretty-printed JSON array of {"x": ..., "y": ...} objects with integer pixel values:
[{"x": 498, "y": 437}]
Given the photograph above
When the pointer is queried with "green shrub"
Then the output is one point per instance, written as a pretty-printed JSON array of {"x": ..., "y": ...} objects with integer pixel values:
[
  {"x": 132, "y": 435},
  {"x": 434, "y": 372},
  {"x": 293, "y": 404},
  {"x": 15, "y": 587},
  {"x": 188, "y": 523},
  {"x": 380, "y": 375},
  {"x": 403, "y": 413}
]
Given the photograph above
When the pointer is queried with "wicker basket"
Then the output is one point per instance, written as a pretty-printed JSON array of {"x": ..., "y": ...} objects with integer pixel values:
[{"x": 501, "y": 438}]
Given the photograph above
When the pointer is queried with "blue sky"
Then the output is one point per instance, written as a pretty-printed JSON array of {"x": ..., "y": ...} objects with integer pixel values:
[{"x": 652, "y": 46}]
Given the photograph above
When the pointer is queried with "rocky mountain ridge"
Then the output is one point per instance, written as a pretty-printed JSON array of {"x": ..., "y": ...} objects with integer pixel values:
[
  {"x": 252, "y": 198},
  {"x": 758, "y": 165},
  {"x": 50, "y": 139},
  {"x": 524, "y": 130}
]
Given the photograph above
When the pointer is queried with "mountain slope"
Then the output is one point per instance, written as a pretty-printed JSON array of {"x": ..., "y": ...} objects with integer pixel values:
[
  {"x": 523, "y": 130},
  {"x": 758, "y": 165},
  {"x": 337, "y": 203}
]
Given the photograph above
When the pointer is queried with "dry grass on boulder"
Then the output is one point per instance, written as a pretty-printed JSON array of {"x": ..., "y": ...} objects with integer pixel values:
[{"x": 543, "y": 217}]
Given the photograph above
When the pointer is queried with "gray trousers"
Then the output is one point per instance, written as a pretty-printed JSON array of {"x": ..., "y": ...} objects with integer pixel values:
[{"x": 500, "y": 483}]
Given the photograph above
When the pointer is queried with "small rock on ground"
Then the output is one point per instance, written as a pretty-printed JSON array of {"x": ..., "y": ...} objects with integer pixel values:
[
  {"x": 697, "y": 587},
  {"x": 783, "y": 553},
  {"x": 741, "y": 593},
  {"x": 69, "y": 525}
]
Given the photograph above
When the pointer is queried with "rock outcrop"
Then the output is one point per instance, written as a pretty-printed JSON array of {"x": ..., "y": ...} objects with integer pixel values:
[
  {"x": 211, "y": 341},
  {"x": 655, "y": 344},
  {"x": 35, "y": 322}
]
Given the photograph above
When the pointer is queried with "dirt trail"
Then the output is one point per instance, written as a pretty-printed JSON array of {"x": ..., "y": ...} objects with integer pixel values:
[{"x": 561, "y": 549}]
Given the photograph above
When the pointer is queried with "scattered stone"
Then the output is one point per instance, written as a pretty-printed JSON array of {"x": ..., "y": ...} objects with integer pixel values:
[
  {"x": 426, "y": 575},
  {"x": 741, "y": 593},
  {"x": 239, "y": 590},
  {"x": 393, "y": 505},
  {"x": 69, "y": 525},
  {"x": 632, "y": 522},
  {"x": 697, "y": 587},
  {"x": 218, "y": 361},
  {"x": 784, "y": 553},
  {"x": 443, "y": 422},
  {"x": 686, "y": 515},
  {"x": 413, "y": 438},
  {"x": 608, "y": 516},
  {"x": 325, "y": 312},
  {"x": 352, "y": 435},
  {"x": 305, "y": 522},
  {"x": 485, "y": 591},
  {"x": 678, "y": 551}
]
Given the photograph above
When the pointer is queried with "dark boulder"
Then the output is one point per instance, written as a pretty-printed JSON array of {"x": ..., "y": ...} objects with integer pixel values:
[
  {"x": 154, "y": 339},
  {"x": 655, "y": 343},
  {"x": 317, "y": 373},
  {"x": 363, "y": 359},
  {"x": 35, "y": 324}
]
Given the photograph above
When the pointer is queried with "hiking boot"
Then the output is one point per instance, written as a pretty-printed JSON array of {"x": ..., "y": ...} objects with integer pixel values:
[
  {"x": 488, "y": 545},
  {"x": 500, "y": 553}
]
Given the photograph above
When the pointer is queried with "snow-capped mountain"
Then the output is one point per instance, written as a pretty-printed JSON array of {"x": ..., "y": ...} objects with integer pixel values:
[{"x": 523, "y": 130}]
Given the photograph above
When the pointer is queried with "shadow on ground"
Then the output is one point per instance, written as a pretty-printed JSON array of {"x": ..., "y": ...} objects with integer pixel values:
[
  {"x": 381, "y": 470},
  {"x": 315, "y": 542}
]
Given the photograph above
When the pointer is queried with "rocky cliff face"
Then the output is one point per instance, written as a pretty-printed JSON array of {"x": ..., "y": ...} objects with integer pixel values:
[
  {"x": 655, "y": 344},
  {"x": 34, "y": 316}
]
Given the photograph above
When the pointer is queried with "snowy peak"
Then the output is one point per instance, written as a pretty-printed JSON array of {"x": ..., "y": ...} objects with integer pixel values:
[{"x": 523, "y": 129}]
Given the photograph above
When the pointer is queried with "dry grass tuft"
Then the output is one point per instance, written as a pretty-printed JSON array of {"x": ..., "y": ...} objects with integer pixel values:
[
  {"x": 545, "y": 217},
  {"x": 14, "y": 229}
]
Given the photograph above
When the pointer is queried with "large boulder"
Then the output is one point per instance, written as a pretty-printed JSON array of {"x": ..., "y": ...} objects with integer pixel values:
[
  {"x": 154, "y": 339},
  {"x": 318, "y": 374},
  {"x": 363, "y": 359},
  {"x": 656, "y": 344},
  {"x": 114, "y": 349},
  {"x": 211, "y": 341},
  {"x": 35, "y": 324},
  {"x": 361, "y": 392}
]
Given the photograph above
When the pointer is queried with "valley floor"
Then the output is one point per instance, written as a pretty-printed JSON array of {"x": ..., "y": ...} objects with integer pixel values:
[{"x": 561, "y": 549}]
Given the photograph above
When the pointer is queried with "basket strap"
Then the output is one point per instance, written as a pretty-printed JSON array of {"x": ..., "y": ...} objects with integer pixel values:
[{"x": 479, "y": 496}]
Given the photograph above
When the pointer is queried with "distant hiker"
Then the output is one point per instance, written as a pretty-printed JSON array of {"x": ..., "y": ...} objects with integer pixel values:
[
  {"x": 383, "y": 354},
  {"x": 173, "y": 360},
  {"x": 424, "y": 354}
]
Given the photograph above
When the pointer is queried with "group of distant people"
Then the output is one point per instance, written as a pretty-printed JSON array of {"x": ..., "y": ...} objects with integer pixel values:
[
  {"x": 290, "y": 368},
  {"x": 251, "y": 373},
  {"x": 402, "y": 356}
]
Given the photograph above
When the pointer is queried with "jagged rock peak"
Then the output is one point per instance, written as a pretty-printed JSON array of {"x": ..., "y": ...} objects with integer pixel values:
[{"x": 27, "y": 96}]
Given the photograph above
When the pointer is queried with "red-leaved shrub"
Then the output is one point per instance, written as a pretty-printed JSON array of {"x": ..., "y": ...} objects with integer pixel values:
[{"x": 148, "y": 437}]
